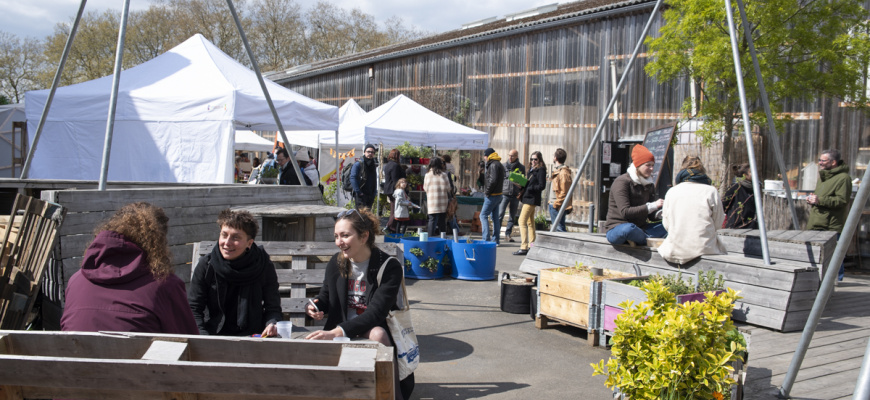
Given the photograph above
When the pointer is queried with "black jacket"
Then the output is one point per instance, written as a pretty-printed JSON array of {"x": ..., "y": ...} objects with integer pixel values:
[
  {"x": 537, "y": 182},
  {"x": 494, "y": 178},
  {"x": 208, "y": 292},
  {"x": 392, "y": 173},
  {"x": 288, "y": 175},
  {"x": 509, "y": 189},
  {"x": 332, "y": 298}
]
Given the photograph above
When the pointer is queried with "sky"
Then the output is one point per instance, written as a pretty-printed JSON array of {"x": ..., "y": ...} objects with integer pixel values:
[{"x": 37, "y": 18}]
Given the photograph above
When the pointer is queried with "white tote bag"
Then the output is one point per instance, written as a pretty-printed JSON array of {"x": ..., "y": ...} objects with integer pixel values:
[{"x": 402, "y": 330}]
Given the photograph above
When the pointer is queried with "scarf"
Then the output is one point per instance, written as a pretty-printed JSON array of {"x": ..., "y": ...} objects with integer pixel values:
[
  {"x": 745, "y": 183},
  {"x": 692, "y": 175},
  {"x": 244, "y": 272},
  {"x": 632, "y": 173},
  {"x": 368, "y": 162}
]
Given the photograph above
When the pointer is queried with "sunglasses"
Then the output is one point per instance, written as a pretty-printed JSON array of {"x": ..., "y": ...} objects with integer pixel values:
[
  {"x": 348, "y": 213},
  {"x": 533, "y": 159}
]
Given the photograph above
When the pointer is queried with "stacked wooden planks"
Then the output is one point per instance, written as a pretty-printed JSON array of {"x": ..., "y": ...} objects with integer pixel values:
[
  {"x": 777, "y": 296},
  {"x": 117, "y": 365}
]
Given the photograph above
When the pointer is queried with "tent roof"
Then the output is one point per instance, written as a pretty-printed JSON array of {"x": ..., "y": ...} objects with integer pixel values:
[
  {"x": 194, "y": 81},
  {"x": 351, "y": 127},
  {"x": 247, "y": 140},
  {"x": 402, "y": 119}
]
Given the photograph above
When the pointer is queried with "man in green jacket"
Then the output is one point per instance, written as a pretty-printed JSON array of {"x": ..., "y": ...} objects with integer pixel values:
[{"x": 831, "y": 198}]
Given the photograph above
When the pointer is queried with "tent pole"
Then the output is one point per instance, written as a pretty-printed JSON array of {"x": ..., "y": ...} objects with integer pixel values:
[
  {"x": 601, "y": 123},
  {"x": 25, "y": 169},
  {"x": 771, "y": 127},
  {"x": 747, "y": 131},
  {"x": 337, "y": 169},
  {"x": 380, "y": 169},
  {"x": 256, "y": 69},
  {"x": 113, "y": 100}
]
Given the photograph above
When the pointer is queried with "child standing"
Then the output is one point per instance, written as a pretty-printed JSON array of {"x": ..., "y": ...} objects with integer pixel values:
[{"x": 402, "y": 213}]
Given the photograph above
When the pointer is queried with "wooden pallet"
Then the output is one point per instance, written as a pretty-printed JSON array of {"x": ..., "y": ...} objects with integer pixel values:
[
  {"x": 28, "y": 238},
  {"x": 133, "y": 366},
  {"x": 543, "y": 322}
]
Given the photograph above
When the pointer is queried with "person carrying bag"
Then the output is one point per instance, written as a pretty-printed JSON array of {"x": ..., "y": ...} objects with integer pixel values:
[{"x": 402, "y": 331}]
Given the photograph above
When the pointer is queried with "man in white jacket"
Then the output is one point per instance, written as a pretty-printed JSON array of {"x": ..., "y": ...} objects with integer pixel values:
[{"x": 692, "y": 214}]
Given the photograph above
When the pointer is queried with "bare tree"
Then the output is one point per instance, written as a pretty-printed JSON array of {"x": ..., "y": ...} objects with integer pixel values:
[
  {"x": 151, "y": 33},
  {"x": 19, "y": 62},
  {"x": 92, "y": 54},
  {"x": 212, "y": 19},
  {"x": 277, "y": 34}
]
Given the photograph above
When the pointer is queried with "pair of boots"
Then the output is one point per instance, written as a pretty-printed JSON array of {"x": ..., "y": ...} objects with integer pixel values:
[{"x": 507, "y": 237}]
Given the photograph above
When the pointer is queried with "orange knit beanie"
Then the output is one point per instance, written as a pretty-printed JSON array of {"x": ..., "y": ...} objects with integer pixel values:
[{"x": 641, "y": 155}]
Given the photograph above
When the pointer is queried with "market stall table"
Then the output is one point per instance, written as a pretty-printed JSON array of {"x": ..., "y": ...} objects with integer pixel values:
[{"x": 290, "y": 222}]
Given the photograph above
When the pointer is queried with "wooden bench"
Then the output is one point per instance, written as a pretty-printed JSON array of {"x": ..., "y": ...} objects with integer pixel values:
[
  {"x": 119, "y": 365},
  {"x": 777, "y": 296},
  {"x": 294, "y": 262}
]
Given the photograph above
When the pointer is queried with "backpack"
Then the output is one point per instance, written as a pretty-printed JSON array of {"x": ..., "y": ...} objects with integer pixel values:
[{"x": 345, "y": 177}]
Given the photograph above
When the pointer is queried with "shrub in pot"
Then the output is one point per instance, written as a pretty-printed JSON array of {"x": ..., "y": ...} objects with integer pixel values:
[{"x": 665, "y": 350}]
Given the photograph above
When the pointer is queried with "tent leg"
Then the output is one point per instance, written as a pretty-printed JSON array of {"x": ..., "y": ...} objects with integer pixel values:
[
  {"x": 25, "y": 169},
  {"x": 256, "y": 68},
  {"x": 113, "y": 100}
]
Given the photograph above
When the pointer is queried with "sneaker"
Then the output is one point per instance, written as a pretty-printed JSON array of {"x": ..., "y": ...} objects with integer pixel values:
[{"x": 521, "y": 252}]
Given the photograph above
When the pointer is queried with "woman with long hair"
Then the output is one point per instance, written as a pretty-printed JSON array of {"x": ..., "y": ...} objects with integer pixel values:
[
  {"x": 355, "y": 303},
  {"x": 436, "y": 184},
  {"x": 530, "y": 196},
  {"x": 739, "y": 202},
  {"x": 126, "y": 282},
  {"x": 234, "y": 289},
  {"x": 692, "y": 213}
]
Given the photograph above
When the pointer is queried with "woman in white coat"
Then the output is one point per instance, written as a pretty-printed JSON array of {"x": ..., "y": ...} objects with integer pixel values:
[{"x": 691, "y": 214}]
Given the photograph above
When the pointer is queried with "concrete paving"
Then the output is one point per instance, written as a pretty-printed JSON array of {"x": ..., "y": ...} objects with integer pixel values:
[{"x": 470, "y": 349}]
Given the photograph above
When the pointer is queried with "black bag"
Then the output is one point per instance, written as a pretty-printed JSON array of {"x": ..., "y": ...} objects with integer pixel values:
[{"x": 345, "y": 177}]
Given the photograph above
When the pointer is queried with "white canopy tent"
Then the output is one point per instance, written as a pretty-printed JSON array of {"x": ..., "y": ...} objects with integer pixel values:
[
  {"x": 247, "y": 140},
  {"x": 403, "y": 120},
  {"x": 175, "y": 120},
  {"x": 10, "y": 142}
]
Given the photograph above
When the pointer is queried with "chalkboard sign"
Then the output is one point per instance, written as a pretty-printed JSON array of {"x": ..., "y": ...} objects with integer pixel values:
[{"x": 658, "y": 141}]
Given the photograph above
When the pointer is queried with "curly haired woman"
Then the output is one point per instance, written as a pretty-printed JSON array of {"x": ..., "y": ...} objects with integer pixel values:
[{"x": 126, "y": 281}]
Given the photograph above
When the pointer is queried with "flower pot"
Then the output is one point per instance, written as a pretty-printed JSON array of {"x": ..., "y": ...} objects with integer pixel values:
[
  {"x": 269, "y": 181},
  {"x": 516, "y": 295},
  {"x": 540, "y": 226},
  {"x": 434, "y": 247},
  {"x": 571, "y": 296},
  {"x": 424, "y": 161},
  {"x": 473, "y": 261}
]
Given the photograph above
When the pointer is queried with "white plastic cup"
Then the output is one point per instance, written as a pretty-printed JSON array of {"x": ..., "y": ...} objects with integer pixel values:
[
  {"x": 285, "y": 329},
  {"x": 424, "y": 236},
  {"x": 341, "y": 339}
]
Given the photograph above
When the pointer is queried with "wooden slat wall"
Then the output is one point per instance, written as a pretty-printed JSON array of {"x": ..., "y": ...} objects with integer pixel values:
[
  {"x": 777, "y": 296},
  {"x": 192, "y": 213}
]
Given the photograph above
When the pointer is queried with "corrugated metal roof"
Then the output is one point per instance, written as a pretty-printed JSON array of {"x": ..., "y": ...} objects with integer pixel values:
[{"x": 565, "y": 13}]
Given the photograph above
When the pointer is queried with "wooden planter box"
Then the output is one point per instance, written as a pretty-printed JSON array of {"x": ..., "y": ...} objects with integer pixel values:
[
  {"x": 135, "y": 366},
  {"x": 571, "y": 299}
]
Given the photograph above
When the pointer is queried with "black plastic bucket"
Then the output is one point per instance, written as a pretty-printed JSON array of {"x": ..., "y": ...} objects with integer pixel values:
[{"x": 516, "y": 295}]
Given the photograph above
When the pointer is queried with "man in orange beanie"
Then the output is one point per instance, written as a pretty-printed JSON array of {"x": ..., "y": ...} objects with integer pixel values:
[{"x": 633, "y": 201}]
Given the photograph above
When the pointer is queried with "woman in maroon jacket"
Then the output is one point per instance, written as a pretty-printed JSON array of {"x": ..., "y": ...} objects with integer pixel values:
[{"x": 126, "y": 281}]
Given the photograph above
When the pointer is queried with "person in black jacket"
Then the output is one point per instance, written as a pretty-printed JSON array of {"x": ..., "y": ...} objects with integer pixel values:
[
  {"x": 510, "y": 192},
  {"x": 492, "y": 188},
  {"x": 531, "y": 198},
  {"x": 354, "y": 303},
  {"x": 234, "y": 289},
  {"x": 392, "y": 173},
  {"x": 738, "y": 200},
  {"x": 286, "y": 174}
]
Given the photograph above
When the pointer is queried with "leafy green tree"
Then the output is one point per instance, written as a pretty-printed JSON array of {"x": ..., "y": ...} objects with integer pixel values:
[{"x": 806, "y": 49}]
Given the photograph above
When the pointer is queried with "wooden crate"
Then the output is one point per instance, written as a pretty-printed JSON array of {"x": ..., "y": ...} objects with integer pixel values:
[
  {"x": 571, "y": 299},
  {"x": 151, "y": 366}
]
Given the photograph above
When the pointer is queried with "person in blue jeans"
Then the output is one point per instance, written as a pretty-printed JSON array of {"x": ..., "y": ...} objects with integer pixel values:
[
  {"x": 492, "y": 188},
  {"x": 510, "y": 201},
  {"x": 633, "y": 201},
  {"x": 560, "y": 179}
]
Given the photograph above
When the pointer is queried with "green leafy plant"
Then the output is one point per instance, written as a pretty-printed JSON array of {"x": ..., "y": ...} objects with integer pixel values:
[
  {"x": 431, "y": 264},
  {"x": 540, "y": 219},
  {"x": 269, "y": 173},
  {"x": 408, "y": 264},
  {"x": 416, "y": 251},
  {"x": 411, "y": 234},
  {"x": 329, "y": 193},
  {"x": 708, "y": 281},
  {"x": 664, "y": 350},
  {"x": 469, "y": 240},
  {"x": 414, "y": 179}
]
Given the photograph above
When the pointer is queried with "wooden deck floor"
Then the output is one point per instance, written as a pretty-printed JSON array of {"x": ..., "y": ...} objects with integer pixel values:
[{"x": 830, "y": 368}]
